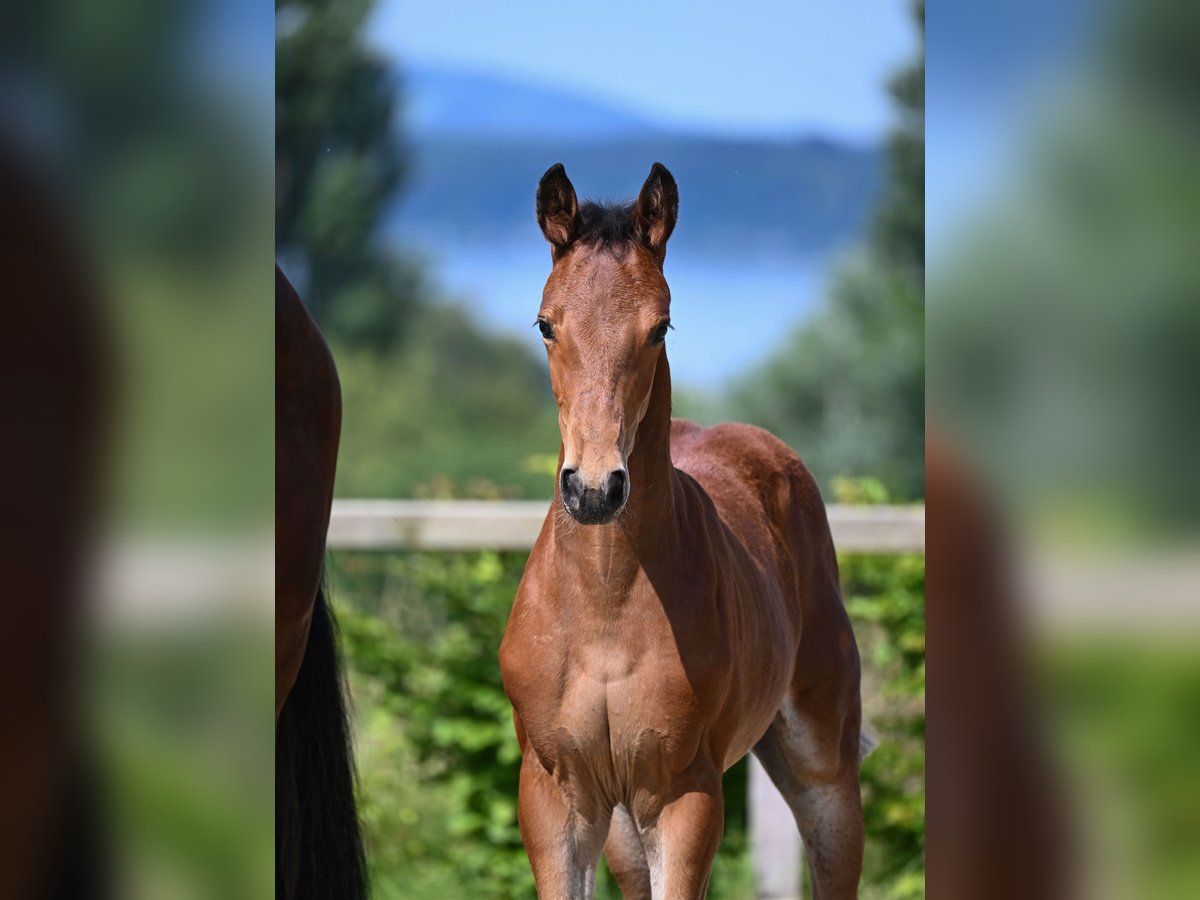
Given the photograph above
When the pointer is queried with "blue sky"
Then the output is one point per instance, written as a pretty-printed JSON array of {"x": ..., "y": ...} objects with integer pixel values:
[{"x": 772, "y": 68}]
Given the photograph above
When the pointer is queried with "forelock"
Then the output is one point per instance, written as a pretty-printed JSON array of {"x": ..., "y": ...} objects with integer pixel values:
[{"x": 612, "y": 226}]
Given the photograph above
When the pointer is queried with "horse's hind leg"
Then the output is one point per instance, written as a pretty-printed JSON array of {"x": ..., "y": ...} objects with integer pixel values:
[
  {"x": 626, "y": 857},
  {"x": 813, "y": 760}
]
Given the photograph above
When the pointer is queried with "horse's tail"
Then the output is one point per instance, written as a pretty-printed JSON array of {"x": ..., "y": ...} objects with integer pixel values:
[{"x": 319, "y": 850}]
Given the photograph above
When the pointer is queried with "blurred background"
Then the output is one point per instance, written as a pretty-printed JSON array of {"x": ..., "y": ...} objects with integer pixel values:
[
  {"x": 409, "y": 141},
  {"x": 1062, "y": 375},
  {"x": 135, "y": 170}
]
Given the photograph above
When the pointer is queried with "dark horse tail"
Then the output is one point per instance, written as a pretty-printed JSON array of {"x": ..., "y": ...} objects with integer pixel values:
[{"x": 319, "y": 850}]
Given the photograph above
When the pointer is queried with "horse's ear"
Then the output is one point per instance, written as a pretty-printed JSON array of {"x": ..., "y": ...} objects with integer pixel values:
[
  {"x": 658, "y": 208},
  {"x": 557, "y": 208}
]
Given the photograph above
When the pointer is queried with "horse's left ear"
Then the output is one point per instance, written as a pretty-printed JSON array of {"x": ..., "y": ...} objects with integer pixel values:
[{"x": 658, "y": 208}]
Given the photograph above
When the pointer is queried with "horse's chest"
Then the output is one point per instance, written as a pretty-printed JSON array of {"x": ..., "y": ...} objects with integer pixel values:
[{"x": 619, "y": 719}]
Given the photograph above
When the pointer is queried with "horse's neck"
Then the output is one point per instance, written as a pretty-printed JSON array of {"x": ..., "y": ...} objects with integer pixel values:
[
  {"x": 651, "y": 510},
  {"x": 645, "y": 532}
]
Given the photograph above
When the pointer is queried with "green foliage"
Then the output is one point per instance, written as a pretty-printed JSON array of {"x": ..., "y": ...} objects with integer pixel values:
[
  {"x": 860, "y": 491},
  {"x": 338, "y": 166},
  {"x": 898, "y": 235},
  {"x": 439, "y": 762},
  {"x": 433, "y": 405},
  {"x": 885, "y": 596},
  {"x": 185, "y": 764},
  {"x": 1122, "y": 712},
  {"x": 458, "y": 412},
  {"x": 886, "y": 600},
  {"x": 422, "y": 633}
]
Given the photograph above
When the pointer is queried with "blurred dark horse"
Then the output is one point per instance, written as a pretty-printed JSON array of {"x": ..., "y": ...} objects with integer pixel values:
[
  {"x": 55, "y": 398},
  {"x": 999, "y": 825},
  {"x": 318, "y": 846}
]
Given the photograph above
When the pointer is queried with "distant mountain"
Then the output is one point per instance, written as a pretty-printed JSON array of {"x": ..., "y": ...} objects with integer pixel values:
[
  {"x": 802, "y": 197},
  {"x": 446, "y": 102},
  {"x": 480, "y": 144}
]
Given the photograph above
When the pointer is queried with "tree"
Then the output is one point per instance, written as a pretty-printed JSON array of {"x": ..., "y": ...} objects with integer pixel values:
[
  {"x": 338, "y": 168},
  {"x": 847, "y": 389}
]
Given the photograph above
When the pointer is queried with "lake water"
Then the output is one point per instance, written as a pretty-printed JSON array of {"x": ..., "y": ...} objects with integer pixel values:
[{"x": 728, "y": 314}]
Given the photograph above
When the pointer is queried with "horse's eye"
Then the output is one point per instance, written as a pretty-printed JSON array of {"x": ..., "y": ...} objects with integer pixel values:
[
  {"x": 546, "y": 328},
  {"x": 659, "y": 334}
]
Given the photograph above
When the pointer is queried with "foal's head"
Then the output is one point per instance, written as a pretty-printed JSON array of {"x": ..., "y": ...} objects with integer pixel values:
[{"x": 604, "y": 318}]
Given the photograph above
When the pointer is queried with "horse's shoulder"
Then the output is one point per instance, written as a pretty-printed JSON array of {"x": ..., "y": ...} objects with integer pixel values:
[{"x": 749, "y": 475}]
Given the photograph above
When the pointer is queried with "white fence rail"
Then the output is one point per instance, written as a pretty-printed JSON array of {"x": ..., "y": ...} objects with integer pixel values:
[{"x": 513, "y": 525}]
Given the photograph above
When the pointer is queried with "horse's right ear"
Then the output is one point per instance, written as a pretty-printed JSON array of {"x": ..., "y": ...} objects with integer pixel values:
[{"x": 557, "y": 208}]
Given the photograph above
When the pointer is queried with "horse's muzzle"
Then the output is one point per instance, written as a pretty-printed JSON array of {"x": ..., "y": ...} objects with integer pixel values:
[{"x": 594, "y": 505}]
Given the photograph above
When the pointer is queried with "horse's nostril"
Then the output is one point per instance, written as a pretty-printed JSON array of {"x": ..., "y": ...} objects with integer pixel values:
[
  {"x": 568, "y": 482},
  {"x": 614, "y": 493}
]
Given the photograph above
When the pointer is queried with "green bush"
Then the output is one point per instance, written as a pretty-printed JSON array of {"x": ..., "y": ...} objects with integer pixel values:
[
  {"x": 886, "y": 600},
  {"x": 439, "y": 760},
  {"x": 457, "y": 410}
]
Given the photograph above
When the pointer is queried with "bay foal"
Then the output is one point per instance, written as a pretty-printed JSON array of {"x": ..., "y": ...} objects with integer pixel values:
[{"x": 681, "y": 604}]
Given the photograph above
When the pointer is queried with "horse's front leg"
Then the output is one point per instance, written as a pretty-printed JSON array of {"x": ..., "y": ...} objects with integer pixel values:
[
  {"x": 685, "y": 838},
  {"x": 562, "y": 839}
]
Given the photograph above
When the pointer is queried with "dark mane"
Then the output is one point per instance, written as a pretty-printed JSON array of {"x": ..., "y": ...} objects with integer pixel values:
[{"x": 608, "y": 225}]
